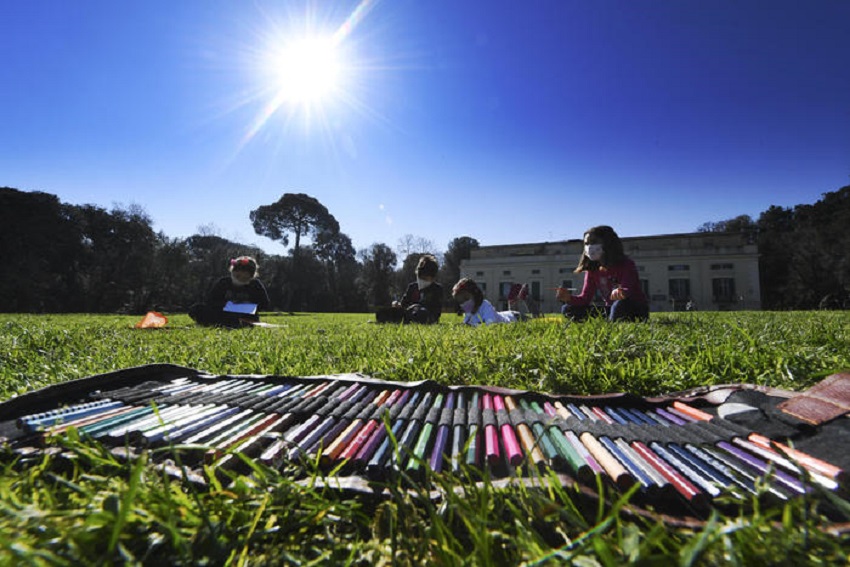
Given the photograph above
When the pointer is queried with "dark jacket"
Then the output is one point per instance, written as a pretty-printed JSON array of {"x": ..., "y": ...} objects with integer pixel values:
[
  {"x": 431, "y": 299},
  {"x": 225, "y": 290}
]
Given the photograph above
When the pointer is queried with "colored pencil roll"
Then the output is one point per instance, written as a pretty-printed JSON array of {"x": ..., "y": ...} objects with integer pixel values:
[{"x": 671, "y": 450}]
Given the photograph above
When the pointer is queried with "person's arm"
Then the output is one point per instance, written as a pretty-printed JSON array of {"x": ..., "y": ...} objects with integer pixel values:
[
  {"x": 260, "y": 296},
  {"x": 628, "y": 283},
  {"x": 488, "y": 313},
  {"x": 217, "y": 293},
  {"x": 587, "y": 291},
  {"x": 432, "y": 300},
  {"x": 407, "y": 298}
]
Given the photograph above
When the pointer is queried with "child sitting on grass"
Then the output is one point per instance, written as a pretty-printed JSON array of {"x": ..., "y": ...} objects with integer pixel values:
[
  {"x": 476, "y": 309},
  {"x": 607, "y": 269},
  {"x": 519, "y": 299},
  {"x": 234, "y": 300},
  {"x": 422, "y": 301}
]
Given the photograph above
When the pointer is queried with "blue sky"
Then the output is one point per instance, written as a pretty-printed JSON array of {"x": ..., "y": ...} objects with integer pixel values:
[{"x": 502, "y": 120}]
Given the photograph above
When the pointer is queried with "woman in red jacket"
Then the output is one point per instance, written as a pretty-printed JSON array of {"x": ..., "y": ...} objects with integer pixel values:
[{"x": 610, "y": 272}]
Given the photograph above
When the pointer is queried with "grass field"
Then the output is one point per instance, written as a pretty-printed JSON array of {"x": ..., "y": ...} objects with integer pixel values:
[{"x": 100, "y": 510}]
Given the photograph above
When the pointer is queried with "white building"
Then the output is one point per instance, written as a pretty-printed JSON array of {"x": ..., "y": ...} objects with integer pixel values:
[{"x": 713, "y": 270}]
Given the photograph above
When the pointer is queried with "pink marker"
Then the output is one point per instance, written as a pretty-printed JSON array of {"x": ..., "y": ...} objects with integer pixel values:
[{"x": 508, "y": 434}]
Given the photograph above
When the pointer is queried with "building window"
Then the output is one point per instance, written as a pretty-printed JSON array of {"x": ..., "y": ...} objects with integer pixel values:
[
  {"x": 483, "y": 286},
  {"x": 504, "y": 289},
  {"x": 479, "y": 274},
  {"x": 724, "y": 266},
  {"x": 644, "y": 286},
  {"x": 506, "y": 273},
  {"x": 679, "y": 289},
  {"x": 535, "y": 291},
  {"x": 535, "y": 272},
  {"x": 723, "y": 290},
  {"x": 564, "y": 270},
  {"x": 568, "y": 284},
  {"x": 678, "y": 268}
]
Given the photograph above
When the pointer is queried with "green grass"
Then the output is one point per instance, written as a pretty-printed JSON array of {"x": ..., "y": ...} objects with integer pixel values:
[{"x": 93, "y": 509}]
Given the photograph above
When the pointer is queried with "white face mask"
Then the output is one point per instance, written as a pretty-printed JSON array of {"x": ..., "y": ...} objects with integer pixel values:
[
  {"x": 422, "y": 283},
  {"x": 593, "y": 251},
  {"x": 240, "y": 278},
  {"x": 468, "y": 305}
]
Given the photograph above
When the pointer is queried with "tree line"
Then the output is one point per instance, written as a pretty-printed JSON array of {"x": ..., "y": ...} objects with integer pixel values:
[
  {"x": 56, "y": 257},
  {"x": 804, "y": 252}
]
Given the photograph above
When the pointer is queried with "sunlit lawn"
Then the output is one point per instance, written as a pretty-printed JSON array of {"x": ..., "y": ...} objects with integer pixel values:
[{"x": 102, "y": 510}]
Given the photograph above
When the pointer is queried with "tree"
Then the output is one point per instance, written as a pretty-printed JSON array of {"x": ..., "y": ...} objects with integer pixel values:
[
  {"x": 776, "y": 240},
  {"x": 117, "y": 263},
  {"x": 459, "y": 249},
  {"x": 341, "y": 270},
  {"x": 172, "y": 286},
  {"x": 741, "y": 223},
  {"x": 39, "y": 244},
  {"x": 803, "y": 260},
  {"x": 305, "y": 287},
  {"x": 296, "y": 213},
  {"x": 301, "y": 215},
  {"x": 820, "y": 271},
  {"x": 407, "y": 273},
  {"x": 376, "y": 274},
  {"x": 409, "y": 244}
]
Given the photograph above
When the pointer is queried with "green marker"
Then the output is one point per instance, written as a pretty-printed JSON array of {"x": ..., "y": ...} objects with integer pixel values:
[
  {"x": 540, "y": 432},
  {"x": 425, "y": 435},
  {"x": 575, "y": 461},
  {"x": 473, "y": 419}
]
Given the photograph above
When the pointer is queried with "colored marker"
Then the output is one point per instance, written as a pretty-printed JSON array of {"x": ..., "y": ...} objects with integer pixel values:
[
  {"x": 443, "y": 430},
  {"x": 425, "y": 437},
  {"x": 355, "y": 418},
  {"x": 473, "y": 418},
  {"x": 340, "y": 418},
  {"x": 526, "y": 435},
  {"x": 579, "y": 459},
  {"x": 513, "y": 451},
  {"x": 491, "y": 435},
  {"x": 367, "y": 429},
  {"x": 380, "y": 434},
  {"x": 459, "y": 426},
  {"x": 615, "y": 470}
]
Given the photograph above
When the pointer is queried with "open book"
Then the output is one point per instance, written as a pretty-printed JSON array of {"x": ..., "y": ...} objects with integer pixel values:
[{"x": 241, "y": 308}]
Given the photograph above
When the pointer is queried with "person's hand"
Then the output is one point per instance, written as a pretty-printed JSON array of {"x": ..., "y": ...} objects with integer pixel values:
[
  {"x": 617, "y": 294},
  {"x": 563, "y": 294}
]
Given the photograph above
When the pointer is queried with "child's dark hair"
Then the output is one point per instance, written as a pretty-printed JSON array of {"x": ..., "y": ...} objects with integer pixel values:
[
  {"x": 427, "y": 266},
  {"x": 466, "y": 288},
  {"x": 612, "y": 248}
]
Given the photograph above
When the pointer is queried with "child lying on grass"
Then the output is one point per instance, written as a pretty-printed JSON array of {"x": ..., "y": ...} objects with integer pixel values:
[{"x": 476, "y": 309}]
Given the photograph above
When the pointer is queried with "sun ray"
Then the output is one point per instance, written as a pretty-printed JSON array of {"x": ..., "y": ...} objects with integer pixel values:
[
  {"x": 353, "y": 20},
  {"x": 306, "y": 72}
]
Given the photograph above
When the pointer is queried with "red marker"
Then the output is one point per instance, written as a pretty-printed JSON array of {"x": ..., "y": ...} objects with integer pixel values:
[
  {"x": 386, "y": 398},
  {"x": 491, "y": 435}
]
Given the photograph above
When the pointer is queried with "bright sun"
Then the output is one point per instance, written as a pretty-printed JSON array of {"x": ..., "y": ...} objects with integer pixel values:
[{"x": 307, "y": 70}]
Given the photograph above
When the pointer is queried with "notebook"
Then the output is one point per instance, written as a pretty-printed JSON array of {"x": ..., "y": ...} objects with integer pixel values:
[{"x": 241, "y": 308}]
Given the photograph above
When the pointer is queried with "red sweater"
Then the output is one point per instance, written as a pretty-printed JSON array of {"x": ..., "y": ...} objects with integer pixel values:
[{"x": 606, "y": 279}]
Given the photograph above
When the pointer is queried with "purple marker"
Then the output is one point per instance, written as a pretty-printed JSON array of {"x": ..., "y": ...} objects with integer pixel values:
[
  {"x": 763, "y": 467},
  {"x": 436, "y": 462}
]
